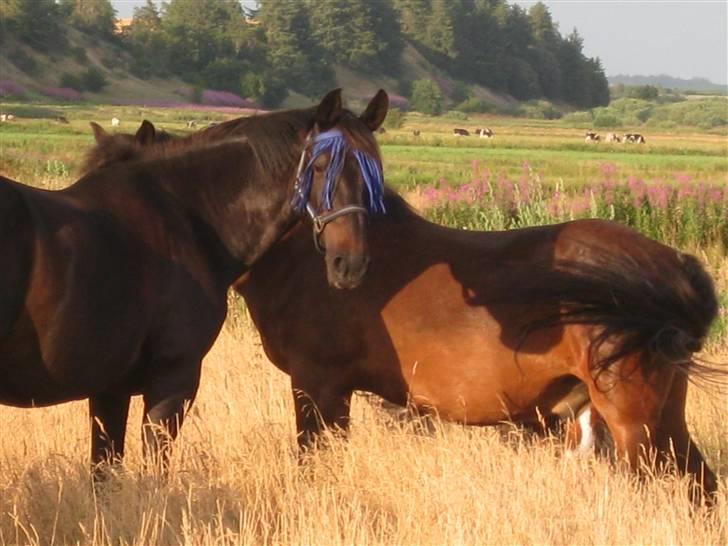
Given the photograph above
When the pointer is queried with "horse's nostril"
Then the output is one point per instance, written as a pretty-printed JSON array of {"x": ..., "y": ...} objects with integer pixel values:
[{"x": 338, "y": 263}]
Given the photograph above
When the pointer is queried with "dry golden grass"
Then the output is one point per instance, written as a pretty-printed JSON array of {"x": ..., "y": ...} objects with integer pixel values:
[{"x": 235, "y": 478}]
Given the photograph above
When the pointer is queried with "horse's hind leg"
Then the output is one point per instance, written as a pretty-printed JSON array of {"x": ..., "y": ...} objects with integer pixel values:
[
  {"x": 319, "y": 406},
  {"x": 108, "y": 414},
  {"x": 674, "y": 438}
]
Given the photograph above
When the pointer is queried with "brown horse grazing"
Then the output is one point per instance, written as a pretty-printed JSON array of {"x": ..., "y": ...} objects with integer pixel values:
[
  {"x": 481, "y": 327},
  {"x": 117, "y": 285}
]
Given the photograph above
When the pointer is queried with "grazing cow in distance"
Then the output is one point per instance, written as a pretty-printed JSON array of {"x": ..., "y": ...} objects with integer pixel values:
[
  {"x": 7, "y": 117},
  {"x": 415, "y": 132},
  {"x": 192, "y": 124},
  {"x": 613, "y": 137},
  {"x": 115, "y": 122},
  {"x": 634, "y": 137},
  {"x": 460, "y": 132},
  {"x": 591, "y": 137},
  {"x": 485, "y": 133},
  {"x": 62, "y": 119}
]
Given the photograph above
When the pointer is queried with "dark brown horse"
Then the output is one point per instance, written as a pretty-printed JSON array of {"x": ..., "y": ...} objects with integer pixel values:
[
  {"x": 117, "y": 285},
  {"x": 484, "y": 327}
]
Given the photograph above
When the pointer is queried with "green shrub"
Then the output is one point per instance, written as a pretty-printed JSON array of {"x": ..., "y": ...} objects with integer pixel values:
[
  {"x": 460, "y": 92},
  {"x": 427, "y": 97},
  {"x": 454, "y": 114},
  {"x": 93, "y": 80},
  {"x": 606, "y": 120},
  {"x": 394, "y": 119},
  {"x": 644, "y": 92},
  {"x": 579, "y": 118},
  {"x": 475, "y": 105},
  {"x": 539, "y": 110},
  {"x": 71, "y": 80}
]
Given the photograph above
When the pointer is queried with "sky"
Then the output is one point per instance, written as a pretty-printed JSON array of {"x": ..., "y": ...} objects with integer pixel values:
[{"x": 682, "y": 38}]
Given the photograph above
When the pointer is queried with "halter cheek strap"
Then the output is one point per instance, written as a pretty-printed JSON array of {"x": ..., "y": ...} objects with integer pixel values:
[{"x": 333, "y": 141}]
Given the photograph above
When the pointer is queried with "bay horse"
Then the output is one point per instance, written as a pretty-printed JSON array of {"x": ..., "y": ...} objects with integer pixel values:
[
  {"x": 482, "y": 327},
  {"x": 117, "y": 285}
]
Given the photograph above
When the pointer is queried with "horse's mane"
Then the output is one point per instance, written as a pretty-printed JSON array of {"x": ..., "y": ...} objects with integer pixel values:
[
  {"x": 274, "y": 138},
  {"x": 397, "y": 207}
]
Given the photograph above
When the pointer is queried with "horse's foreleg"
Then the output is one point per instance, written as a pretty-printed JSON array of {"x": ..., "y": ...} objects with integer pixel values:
[
  {"x": 166, "y": 398},
  {"x": 319, "y": 407},
  {"x": 108, "y": 414},
  {"x": 674, "y": 438}
]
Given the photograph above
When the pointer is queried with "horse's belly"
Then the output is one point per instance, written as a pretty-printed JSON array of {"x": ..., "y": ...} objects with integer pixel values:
[
  {"x": 480, "y": 389},
  {"x": 42, "y": 372},
  {"x": 25, "y": 379},
  {"x": 469, "y": 374}
]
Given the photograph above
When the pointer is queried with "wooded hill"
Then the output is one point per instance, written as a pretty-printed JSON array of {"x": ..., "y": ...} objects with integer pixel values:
[{"x": 472, "y": 51}]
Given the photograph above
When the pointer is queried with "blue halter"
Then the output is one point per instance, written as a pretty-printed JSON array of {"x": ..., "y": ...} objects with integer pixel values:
[{"x": 333, "y": 141}]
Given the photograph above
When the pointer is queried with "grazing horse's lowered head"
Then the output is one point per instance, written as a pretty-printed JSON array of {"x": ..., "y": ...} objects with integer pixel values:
[{"x": 328, "y": 154}]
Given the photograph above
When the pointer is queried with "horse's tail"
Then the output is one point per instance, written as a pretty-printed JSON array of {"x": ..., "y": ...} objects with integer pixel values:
[{"x": 662, "y": 309}]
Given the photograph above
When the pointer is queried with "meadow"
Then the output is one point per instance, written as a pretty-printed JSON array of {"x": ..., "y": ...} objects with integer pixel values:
[{"x": 235, "y": 477}]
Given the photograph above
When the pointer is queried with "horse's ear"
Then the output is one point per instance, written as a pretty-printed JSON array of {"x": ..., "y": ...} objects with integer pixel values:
[
  {"x": 99, "y": 133},
  {"x": 329, "y": 110},
  {"x": 376, "y": 111},
  {"x": 146, "y": 134}
]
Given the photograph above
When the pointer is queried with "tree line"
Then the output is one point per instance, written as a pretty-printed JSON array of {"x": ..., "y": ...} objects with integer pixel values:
[{"x": 294, "y": 45}]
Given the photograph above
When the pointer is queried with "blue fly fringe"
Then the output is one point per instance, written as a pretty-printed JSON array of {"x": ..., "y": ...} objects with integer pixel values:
[{"x": 334, "y": 142}]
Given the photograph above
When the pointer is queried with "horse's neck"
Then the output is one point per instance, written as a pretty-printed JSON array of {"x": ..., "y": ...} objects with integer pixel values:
[{"x": 230, "y": 197}]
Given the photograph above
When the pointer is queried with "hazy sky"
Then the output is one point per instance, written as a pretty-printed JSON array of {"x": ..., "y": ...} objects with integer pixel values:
[{"x": 684, "y": 38}]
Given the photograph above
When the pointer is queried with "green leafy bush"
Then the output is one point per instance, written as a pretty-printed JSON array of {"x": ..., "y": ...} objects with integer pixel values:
[
  {"x": 427, "y": 97},
  {"x": 71, "y": 80},
  {"x": 93, "y": 80},
  {"x": 606, "y": 120},
  {"x": 394, "y": 119},
  {"x": 454, "y": 114},
  {"x": 579, "y": 118},
  {"x": 475, "y": 105}
]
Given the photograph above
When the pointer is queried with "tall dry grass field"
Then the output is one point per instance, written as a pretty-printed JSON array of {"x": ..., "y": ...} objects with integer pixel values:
[{"x": 235, "y": 478}]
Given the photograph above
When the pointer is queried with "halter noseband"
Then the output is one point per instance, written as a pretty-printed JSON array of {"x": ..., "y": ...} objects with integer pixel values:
[{"x": 303, "y": 182}]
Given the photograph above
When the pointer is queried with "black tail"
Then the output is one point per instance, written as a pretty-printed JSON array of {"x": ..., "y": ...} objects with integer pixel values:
[{"x": 663, "y": 312}]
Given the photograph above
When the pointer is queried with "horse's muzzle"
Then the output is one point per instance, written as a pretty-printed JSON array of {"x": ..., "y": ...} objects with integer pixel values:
[{"x": 346, "y": 271}]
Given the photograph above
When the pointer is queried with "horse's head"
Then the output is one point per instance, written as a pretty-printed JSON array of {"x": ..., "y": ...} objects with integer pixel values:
[
  {"x": 339, "y": 181},
  {"x": 116, "y": 147}
]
